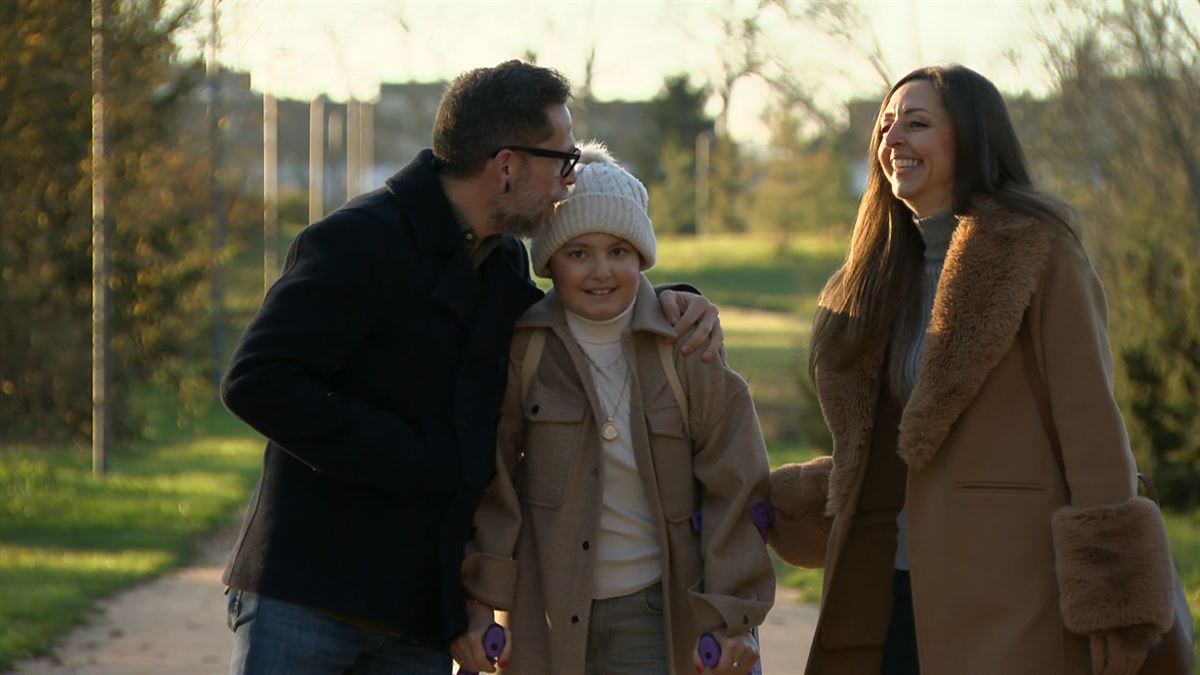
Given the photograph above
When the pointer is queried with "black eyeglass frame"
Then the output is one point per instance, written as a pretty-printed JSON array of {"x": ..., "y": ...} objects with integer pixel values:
[{"x": 570, "y": 159}]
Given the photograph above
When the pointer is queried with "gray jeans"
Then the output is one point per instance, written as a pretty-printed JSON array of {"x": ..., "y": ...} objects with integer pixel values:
[{"x": 627, "y": 635}]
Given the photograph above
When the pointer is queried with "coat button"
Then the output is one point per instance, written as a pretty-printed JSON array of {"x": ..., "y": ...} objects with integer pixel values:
[
  {"x": 586, "y": 545},
  {"x": 533, "y": 410},
  {"x": 575, "y": 618}
]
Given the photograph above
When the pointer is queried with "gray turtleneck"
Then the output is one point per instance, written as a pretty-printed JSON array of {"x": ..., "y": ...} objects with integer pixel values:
[{"x": 936, "y": 231}]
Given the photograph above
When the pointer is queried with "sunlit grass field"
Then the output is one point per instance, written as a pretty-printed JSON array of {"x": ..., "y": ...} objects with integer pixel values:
[{"x": 68, "y": 538}]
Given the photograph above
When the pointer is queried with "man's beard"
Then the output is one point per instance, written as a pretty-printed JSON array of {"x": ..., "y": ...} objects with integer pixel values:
[{"x": 522, "y": 213}]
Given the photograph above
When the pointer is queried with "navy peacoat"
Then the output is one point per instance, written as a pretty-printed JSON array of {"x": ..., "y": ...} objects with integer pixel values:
[{"x": 375, "y": 368}]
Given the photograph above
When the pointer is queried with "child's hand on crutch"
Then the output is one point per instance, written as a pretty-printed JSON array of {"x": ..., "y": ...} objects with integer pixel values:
[
  {"x": 484, "y": 643},
  {"x": 729, "y": 656}
]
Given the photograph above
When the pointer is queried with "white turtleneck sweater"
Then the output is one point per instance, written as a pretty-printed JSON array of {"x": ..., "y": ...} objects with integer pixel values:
[{"x": 627, "y": 549}]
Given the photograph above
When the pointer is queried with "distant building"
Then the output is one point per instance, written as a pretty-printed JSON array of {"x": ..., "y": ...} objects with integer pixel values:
[{"x": 403, "y": 117}]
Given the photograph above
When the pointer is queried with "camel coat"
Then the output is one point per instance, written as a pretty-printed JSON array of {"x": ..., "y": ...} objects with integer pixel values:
[
  {"x": 1013, "y": 560},
  {"x": 531, "y": 553}
]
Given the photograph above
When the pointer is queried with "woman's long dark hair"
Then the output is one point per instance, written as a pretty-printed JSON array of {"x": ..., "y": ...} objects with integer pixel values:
[{"x": 877, "y": 288}]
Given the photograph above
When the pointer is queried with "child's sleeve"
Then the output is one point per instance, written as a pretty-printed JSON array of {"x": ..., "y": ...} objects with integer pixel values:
[
  {"x": 489, "y": 571},
  {"x": 730, "y": 462}
]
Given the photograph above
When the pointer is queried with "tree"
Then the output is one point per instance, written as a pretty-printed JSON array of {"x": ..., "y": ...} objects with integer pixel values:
[
  {"x": 805, "y": 182},
  {"x": 673, "y": 196},
  {"x": 160, "y": 254},
  {"x": 666, "y": 154},
  {"x": 1121, "y": 144}
]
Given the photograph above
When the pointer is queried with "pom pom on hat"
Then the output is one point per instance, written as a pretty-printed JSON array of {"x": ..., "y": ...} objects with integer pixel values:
[{"x": 605, "y": 198}]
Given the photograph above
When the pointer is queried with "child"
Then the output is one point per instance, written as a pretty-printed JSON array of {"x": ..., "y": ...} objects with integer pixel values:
[{"x": 618, "y": 529}]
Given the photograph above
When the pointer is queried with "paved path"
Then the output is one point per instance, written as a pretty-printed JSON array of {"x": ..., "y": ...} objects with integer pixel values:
[{"x": 175, "y": 625}]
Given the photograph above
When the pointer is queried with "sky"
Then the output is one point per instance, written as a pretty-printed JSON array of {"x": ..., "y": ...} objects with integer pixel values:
[{"x": 300, "y": 48}]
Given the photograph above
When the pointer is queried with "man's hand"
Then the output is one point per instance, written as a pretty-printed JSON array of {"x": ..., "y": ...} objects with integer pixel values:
[
  {"x": 695, "y": 319},
  {"x": 467, "y": 648}
]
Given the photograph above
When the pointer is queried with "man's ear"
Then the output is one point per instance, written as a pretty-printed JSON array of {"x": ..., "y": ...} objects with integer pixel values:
[{"x": 502, "y": 167}]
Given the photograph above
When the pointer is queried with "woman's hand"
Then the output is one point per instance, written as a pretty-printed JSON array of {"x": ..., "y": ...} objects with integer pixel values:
[
  {"x": 1112, "y": 655},
  {"x": 695, "y": 313},
  {"x": 467, "y": 648},
  {"x": 738, "y": 655}
]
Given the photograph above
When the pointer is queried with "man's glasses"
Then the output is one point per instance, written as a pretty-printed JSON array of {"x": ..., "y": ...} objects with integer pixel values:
[{"x": 569, "y": 159}]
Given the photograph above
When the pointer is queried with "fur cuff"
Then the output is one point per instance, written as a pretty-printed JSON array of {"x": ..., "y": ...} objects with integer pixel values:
[
  {"x": 1114, "y": 570},
  {"x": 799, "y": 492}
]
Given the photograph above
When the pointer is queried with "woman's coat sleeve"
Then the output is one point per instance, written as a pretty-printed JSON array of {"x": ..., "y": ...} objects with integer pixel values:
[{"x": 1112, "y": 560}]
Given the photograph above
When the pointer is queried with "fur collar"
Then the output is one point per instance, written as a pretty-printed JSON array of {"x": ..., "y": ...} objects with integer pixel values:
[{"x": 995, "y": 261}]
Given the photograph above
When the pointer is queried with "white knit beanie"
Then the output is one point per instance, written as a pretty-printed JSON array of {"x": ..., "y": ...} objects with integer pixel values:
[{"x": 605, "y": 198}]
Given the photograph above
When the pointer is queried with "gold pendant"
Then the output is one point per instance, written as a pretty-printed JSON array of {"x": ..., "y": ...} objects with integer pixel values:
[{"x": 609, "y": 431}]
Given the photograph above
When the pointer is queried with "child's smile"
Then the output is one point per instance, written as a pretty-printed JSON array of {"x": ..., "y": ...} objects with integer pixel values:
[{"x": 596, "y": 275}]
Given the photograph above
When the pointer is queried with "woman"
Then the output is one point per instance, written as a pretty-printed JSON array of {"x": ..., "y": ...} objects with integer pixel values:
[{"x": 955, "y": 536}]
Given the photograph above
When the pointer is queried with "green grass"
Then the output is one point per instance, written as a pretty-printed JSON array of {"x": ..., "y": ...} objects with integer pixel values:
[
  {"x": 751, "y": 271},
  {"x": 1183, "y": 531},
  {"x": 765, "y": 291},
  {"x": 68, "y": 538}
]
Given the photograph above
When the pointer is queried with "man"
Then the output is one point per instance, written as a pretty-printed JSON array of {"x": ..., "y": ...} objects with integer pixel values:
[{"x": 375, "y": 368}]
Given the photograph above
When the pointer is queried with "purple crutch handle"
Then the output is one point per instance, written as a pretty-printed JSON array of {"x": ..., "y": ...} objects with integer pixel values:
[
  {"x": 493, "y": 641},
  {"x": 709, "y": 650},
  {"x": 493, "y": 645},
  {"x": 763, "y": 516}
]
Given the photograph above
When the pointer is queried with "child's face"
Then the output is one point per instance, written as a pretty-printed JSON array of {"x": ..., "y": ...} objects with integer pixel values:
[{"x": 596, "y": 275}]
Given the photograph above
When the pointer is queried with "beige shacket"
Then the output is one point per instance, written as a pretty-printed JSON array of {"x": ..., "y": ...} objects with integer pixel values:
[{"x": 627, "y": 547}]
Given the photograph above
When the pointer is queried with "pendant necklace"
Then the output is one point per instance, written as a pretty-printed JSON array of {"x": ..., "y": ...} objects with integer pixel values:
[{"x": 608, "y": 430}]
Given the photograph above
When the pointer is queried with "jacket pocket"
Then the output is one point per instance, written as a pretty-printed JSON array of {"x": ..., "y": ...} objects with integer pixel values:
[
  {"x": 999, "y": 488},
  {"x": 672, "y": 453},
  {"x": 553, "y": 433}
]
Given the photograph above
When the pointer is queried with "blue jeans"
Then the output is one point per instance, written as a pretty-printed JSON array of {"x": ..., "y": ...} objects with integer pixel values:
[
  {"x": 271, "y": 636},
  {"x": 627, "y": 635}
]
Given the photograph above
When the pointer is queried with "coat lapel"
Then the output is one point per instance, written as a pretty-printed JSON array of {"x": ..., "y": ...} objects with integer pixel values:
[
  {"x": 457, "y": 287},
  {"x": 990, "y": 274},
  {"x": 550, "y": 313},
  {"x": 992, "y": 269},
  {"x": 503, "y": 294},
  {"x": 848, "y": 399},
  {"x": 434, "y": 229}
]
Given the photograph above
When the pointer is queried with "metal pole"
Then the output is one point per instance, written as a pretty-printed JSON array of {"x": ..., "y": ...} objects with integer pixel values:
[
  {"x": 703, "y": 145},
  {"x": 352, "y": 147},
  {"x": 270, "y": 190},
  {"x": 100, "y": 284},
  {"x": 366, "y": 155},
  {"x": 213, "y": 75},
  {"x": 316, "y": 159}
]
